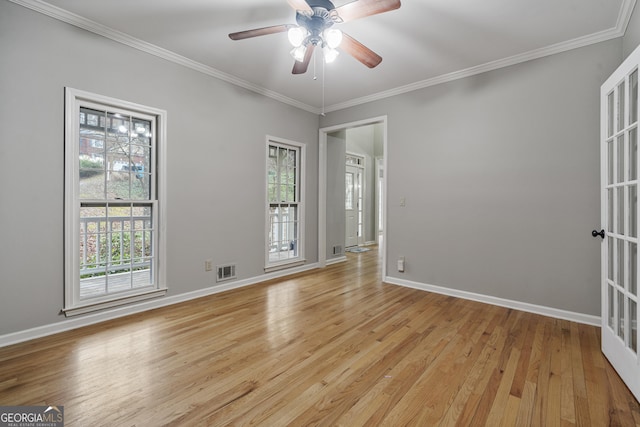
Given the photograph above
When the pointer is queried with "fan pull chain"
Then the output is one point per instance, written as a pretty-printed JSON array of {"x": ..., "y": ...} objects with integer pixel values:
[{"x": 322, "y": 111}]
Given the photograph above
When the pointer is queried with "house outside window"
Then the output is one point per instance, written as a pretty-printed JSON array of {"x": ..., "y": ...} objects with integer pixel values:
[
  {"x": 114, "y": 202},
  {"x": 285, "y": 207}
]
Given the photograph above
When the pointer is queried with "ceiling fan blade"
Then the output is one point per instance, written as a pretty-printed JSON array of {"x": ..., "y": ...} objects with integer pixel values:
[
  {"x": 241, "y": 35},
  {"x": 359, "y": 51},
  {"x": 299, "y": 4},
  {"x": 301, "y": 67},
  {"x": 362, "y": 8}
]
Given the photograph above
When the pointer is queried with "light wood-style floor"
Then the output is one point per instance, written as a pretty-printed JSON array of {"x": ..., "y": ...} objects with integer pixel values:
[{"x": 335, "y": 347}]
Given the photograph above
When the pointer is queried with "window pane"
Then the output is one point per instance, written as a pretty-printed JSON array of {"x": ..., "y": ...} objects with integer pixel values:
[
  {"x": 118, "y": 186},
  {"x": 92, "y": 184},
  {"x": 272, "y": 177},
  {"x": 141, "y": 131},
  {"x": 92, "y": 224},
  {"x": 291, "y": 193}
]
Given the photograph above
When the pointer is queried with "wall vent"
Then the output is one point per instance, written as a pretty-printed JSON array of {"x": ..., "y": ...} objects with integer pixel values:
[
  {"x": 337, "y": 250},
  {"x": 226, "y": 272}
]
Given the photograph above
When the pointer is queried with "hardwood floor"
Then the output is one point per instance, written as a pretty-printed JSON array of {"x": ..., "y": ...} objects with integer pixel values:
[{"x": 335, "y": 347}]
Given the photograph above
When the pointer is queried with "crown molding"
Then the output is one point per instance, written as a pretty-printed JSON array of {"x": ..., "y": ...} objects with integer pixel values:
[
  {"x": 612, "y": 33},
  {"x": 626, "y": 9},
  {"x": 123, "y": 38},
  {"x": 619, "y": 30}
]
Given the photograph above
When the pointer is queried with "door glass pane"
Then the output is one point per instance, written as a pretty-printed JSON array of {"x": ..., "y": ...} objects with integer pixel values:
[
  {"x": 633, "y": 154},
  {"x": 620, "y": 314},
  {"x": 633, "y": 97},
  {"x": 633, "y": 268},
  {"x": 348, "y": 201},
  {"x": 620, "y": 258},
  {"x": 633, "y": 334},
  {"x": 621, "y": 98},
  {"x": 610, "y": 258},
  {"x": 610, "y": 114},
  {"x": 610, "y": 161},
  {"x": 620, "y": 159},
  {"x": 610, "y": 300},
  {"x": 620, "y": 207},
  {"x": 610, "y": 210},
  {"x": 633, "y": 210}
]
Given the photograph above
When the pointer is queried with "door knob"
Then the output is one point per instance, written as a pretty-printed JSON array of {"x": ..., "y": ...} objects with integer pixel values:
[{"x": 596, "y": 233}]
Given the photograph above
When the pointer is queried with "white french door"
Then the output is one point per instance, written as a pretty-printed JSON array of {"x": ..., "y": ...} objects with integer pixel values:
[{"x": 619, "y": 200}]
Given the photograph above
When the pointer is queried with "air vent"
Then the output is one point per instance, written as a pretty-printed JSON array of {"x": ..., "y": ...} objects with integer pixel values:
[
  {"x": 337, "y": 250},
  {"x": 226, "y": 272}
]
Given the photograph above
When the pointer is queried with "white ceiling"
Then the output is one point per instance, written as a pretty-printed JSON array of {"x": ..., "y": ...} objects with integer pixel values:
[{"x": 422, "y": 43}]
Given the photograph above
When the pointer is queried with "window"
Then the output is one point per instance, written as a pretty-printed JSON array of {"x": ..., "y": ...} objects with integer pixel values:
[
  {"x": 114, "y": 204},
  {"x": 285, "y": 194}
]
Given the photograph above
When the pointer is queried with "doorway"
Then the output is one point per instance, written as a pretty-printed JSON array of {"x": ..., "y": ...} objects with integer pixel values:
[{"x": 329, "y": 137}]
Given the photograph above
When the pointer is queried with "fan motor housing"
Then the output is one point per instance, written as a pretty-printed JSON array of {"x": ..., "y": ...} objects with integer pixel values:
[
  {"x": 325, "y": 4},
  {"x": 316, "y": 22}
]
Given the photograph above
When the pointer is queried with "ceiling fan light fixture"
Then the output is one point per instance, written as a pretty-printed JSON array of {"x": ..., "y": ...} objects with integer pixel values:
[
  {"x": 332, "y": 37},
  {"x": 299, "y": 52},
  {"x": 330, "y": 54},
  {"x": 297, "y": 35}
]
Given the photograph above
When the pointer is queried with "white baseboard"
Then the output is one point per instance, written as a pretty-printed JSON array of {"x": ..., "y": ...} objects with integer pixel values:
[
  {"x": 90, "y": 319},
  {"x": 517, "y": 305},
  {"x": 336, "y": 260}
]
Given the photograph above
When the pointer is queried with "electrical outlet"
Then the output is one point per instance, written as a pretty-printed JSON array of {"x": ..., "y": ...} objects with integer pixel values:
[
  {"x": 208, "y": 265},
  {"x": 403, "y": 202}
]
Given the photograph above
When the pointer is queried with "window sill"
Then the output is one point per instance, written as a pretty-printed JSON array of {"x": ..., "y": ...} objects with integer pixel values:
[
  {"x": 101, "y": 305},
  {"x": 289, "y": 264}
]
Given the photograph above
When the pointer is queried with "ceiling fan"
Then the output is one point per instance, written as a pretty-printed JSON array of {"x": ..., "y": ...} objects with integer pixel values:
[{"x": 315, "y": 20}]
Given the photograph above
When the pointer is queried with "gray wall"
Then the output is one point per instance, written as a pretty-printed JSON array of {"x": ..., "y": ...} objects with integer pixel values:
[
  {"x": 500, "y": 172},
  {"x": 336, "y": 149},
  {"x": 215, "y": 168},
  {"x": 631, "y": 37}
]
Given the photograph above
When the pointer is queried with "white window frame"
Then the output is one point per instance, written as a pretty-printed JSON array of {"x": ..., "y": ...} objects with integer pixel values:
[
  {"x": 300, "y": 189},
  {"x": 73, "y": 304}
]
